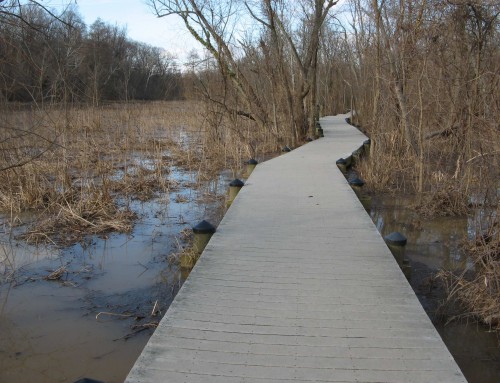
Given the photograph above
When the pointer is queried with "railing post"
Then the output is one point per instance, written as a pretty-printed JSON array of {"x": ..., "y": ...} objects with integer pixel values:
[
  {"x": 319, "y": 130},
  {"x": 366, "y": 146}
]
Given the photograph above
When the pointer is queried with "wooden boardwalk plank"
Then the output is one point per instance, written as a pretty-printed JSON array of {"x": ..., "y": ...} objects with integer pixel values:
[{"x": 297, "y": 285}]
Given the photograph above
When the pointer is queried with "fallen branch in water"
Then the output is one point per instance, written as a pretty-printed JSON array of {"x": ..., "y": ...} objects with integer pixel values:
[
  {"x": 138, "y": 329},
  {"x": 113, "y": 314},
  {"x": 56, "y": 274}
]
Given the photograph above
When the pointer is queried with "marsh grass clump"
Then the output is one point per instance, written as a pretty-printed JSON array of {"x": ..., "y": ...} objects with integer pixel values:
[
  {"x": 141, "y": 184},
  {"x": 388, "y": 166},
  {"x": 445, "y": 200},
  {"x": 56, "y": 274},
  {"x": 478, "y": 290},
  {"x": 75, "y": 169},
  {"x": 69, "y": 222},
  {"x": 186, "y": 256}
]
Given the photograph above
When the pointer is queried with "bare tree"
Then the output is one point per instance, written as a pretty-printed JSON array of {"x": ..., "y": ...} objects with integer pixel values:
[
  {"x": 212, "y": 24},
  {"x": 424, "y": 75},
  {"x": 295, "y": 43},
  {"x": 287, "y": 38}
]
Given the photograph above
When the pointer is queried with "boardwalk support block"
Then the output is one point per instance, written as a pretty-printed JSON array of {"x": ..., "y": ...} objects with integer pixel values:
[
  {"x": 234, "y": 188},
  {"x": 349, "y": 161},
  {"x": 396, "y": 243},
  {"x": 366, "y": 146},
  {"x": 319, "y": 130},
  {"x": 342, "y": 164},
  {"x": 202, "y": 234},
  {"x": 395, "y": 239},
  {"x": 251, "y": 164},
  {"x": 357, "y": 154},
  {"x": 356, "y": 184}
]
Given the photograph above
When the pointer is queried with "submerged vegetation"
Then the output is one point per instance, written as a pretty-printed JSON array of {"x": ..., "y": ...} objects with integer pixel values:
[
  {"x": 477, "y": 291},
  {"x": 98, "y": 159},
  {"x": 102, "y": 158}
]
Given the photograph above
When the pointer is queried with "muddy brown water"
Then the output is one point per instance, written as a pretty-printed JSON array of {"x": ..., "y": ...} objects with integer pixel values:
[
  {"x": 49, "y": 331},
  {"x": 434, "y": 244},
  {"x": 93, "y": 322}
]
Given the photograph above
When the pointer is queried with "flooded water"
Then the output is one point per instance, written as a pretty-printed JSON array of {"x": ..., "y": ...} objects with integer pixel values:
[
  {"x": 95, "y": 320},
  {"x": 434, "y": 244}
]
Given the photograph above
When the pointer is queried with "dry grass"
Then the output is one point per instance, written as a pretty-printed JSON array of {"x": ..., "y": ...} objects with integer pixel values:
[
  {"x": 479, "y": 292},
  {"x": 74, "y": 168},
  {"x": 388, "y": 166},
  {"x": 445, "y": 200},
  {"x": 449, "y": 180},
  {"x": 87, "y": 161},
  {"x": 186, "y": 256},
  {"x": 56, "y": 274},
  {"x": 70, "y": 222}
]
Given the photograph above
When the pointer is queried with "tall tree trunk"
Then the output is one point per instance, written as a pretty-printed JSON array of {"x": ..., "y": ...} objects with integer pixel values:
[{"x": 314, "y": 112}]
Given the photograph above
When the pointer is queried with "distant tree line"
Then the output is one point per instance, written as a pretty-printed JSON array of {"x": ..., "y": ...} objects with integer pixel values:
[{"x": 57, "y": 58}]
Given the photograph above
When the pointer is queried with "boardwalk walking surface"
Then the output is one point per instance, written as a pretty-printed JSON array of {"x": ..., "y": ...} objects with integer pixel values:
[{"x": 297, "y": 285}]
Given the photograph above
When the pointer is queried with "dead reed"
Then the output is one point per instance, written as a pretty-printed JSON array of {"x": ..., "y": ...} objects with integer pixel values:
[
  {"x": 443, "y": 179},
  {"x": 450, "y": 174},
  {"x": 88, "y": 160},
  {"x": 478, "y": 292},
  {"x": 386, "y": 168},
  {"x": 56, "y": 274},
  {"x": 72, "y": 222},
  {"x": 445, "y": 200},
  {"x": 75, "y": 168}
]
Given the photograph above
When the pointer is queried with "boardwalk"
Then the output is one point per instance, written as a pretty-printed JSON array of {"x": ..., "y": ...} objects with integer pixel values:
[{"x": 297, "y": 285}]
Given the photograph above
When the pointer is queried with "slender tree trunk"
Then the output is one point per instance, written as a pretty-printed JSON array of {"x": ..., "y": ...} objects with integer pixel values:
[
  {"x": 378, "y": 71},
  {"x": 313, "y": 108},
  {"x": 420, "y": 187}
]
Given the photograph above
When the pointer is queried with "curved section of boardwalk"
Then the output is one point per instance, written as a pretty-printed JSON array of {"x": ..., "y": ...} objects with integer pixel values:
[{"x": 297, "y": 285}]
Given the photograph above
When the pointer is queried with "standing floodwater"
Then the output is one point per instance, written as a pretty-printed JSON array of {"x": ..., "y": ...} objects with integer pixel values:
[
  {"x": 434, "y": 244},
  {"x": 88, "y": 310}
]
